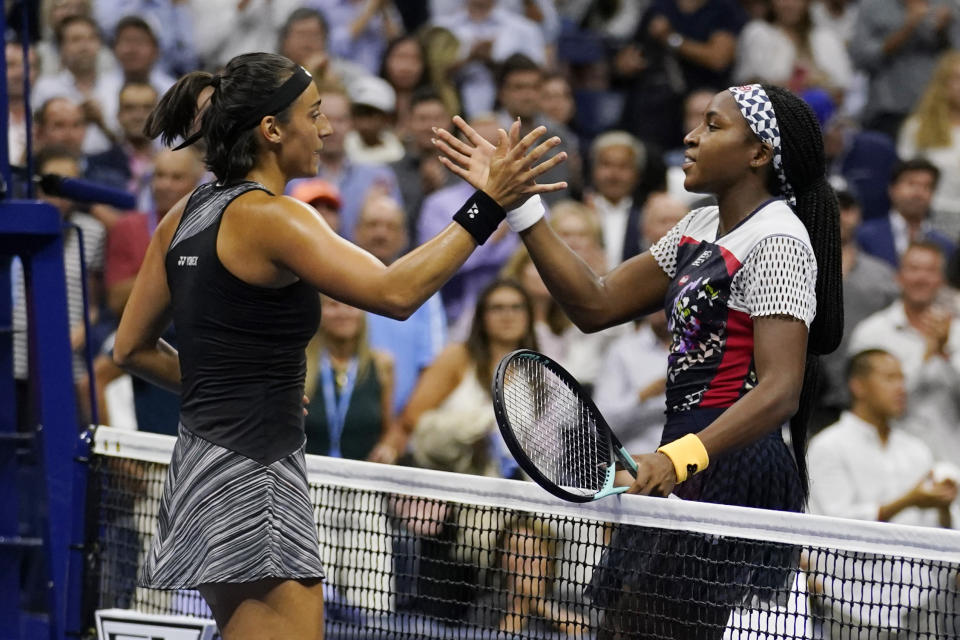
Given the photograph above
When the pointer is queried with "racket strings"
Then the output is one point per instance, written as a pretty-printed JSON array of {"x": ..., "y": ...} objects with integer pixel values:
[{"x": 555, "y": 428}]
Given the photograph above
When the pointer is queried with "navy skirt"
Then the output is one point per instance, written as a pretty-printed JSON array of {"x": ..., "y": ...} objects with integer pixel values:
[{"x": 659, "y": 583}]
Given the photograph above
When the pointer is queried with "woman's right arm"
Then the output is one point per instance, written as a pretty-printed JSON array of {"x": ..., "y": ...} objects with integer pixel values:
[
  {"x": 294, "y": 236},
  {"x": 138, "y": 347},
  {"x": 592, "y": 302},
  {"x": 635, "y": 288}
]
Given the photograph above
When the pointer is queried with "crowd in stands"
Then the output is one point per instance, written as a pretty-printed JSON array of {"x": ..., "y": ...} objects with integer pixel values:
[{"x": 619, "y": 81}]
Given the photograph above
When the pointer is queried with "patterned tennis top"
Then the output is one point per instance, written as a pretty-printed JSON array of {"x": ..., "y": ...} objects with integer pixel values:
[{"x": 764, "y": 266}]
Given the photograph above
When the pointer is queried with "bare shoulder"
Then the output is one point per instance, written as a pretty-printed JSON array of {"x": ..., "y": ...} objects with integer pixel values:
[
  {"x": 278, "y": 223},
  {"x": 266, "y": 210},
  {"x": 454, "y": 357},
  {"x": 169, "y": 223}
]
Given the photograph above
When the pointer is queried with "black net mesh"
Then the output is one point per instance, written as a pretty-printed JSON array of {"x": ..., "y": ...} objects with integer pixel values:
[{"x": 403, "y": 566}]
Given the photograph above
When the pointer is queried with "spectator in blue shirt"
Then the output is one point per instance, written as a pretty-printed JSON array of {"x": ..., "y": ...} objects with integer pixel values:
[{"x": 415, "y": 342}]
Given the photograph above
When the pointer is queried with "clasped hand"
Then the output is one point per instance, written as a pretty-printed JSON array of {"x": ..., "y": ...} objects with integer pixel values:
[
  {"x": 655, "y": 476},
  {"x": 506, "y": 171}
]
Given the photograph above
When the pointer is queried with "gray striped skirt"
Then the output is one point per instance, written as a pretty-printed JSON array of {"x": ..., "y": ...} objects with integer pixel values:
[{"x": 226, "y": 518}]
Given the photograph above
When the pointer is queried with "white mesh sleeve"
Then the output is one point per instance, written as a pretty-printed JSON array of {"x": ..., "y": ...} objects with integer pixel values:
[
  {"x": 778, "y": 278},
  {"x": 664, "y": 250}
]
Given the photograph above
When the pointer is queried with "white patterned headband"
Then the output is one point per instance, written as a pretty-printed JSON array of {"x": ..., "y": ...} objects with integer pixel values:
[{"x": 756, "y": 107}]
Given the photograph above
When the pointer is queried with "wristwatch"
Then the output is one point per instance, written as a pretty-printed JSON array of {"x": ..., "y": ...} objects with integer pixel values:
[{"x": 674, "y": 40}]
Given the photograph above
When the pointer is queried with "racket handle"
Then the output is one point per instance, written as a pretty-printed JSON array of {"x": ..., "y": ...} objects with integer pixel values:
[
  {"x": 628, "y": 462},
  {"x": 609, "y": 491}
]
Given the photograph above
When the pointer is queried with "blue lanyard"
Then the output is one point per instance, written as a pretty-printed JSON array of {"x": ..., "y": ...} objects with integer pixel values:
[{"x": 336, "y": 408}]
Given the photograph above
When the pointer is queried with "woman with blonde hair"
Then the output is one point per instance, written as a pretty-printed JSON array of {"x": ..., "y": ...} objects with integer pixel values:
[
  {"x": 450, "y": 413},
  {"x": 442, "y": 51},
  {"x": 933, "y": 132},
  {"x": 350, "y": 387}
]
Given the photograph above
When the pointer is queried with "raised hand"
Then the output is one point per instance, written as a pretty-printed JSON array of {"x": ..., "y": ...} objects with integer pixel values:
[{"x": 507, "y": 171}]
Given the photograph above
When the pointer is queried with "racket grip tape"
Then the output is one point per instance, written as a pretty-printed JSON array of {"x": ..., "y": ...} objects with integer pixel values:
[{"x": 687, "y": 454}]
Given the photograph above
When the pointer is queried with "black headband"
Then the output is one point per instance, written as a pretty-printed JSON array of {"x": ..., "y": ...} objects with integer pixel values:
[{"x": 278, "y": 100}]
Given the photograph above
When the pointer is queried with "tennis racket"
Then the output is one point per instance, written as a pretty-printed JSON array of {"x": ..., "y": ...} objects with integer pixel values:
[{"x": 553, "y": 429}]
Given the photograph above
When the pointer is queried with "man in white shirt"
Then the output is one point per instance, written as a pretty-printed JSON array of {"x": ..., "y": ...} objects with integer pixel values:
[
  {"x": 630, "y": 390},
  {"x": 81, "y": 81},
  {"x": 922, "y": 335},
  {"x": 866, "y": 468},
  {"x": 618, "y": 160}
]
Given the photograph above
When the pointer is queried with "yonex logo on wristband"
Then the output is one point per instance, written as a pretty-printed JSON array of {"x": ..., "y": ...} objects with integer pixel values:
[{"x": 480, "y": 216}]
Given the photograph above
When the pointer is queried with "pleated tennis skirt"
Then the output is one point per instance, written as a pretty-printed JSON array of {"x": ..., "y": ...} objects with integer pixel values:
[
  {"x": 225, "y": 518},
  {"x": 650, "y": 577}
]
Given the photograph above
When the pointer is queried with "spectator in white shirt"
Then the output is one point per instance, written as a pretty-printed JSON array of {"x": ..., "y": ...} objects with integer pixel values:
[
  {"x": 489, "y": 34},
  {"x": 789, "y": 49},
  {"x": 618, "y": 160},
  {"x": 631, "y": 387},
  {"x": 59, "y": 121},
  {"x": 79, "y": 42},
  {"x": 865, "y": 467},
  {"x": 372, "y": 140},
  {"x": 922, "y": 335},
  {"x": 227, "y": 28},
  {"x": 137, "y": 50}
]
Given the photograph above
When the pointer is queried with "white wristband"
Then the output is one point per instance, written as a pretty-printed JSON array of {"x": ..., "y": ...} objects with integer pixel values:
[{"x": 527, "y": 214}]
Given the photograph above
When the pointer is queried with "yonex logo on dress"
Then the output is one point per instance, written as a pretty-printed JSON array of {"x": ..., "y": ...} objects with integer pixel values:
[
  {"x": 473, "y": 211},
  {"x": 187, "y": 261},
  {"x": 703, "y": 256}
]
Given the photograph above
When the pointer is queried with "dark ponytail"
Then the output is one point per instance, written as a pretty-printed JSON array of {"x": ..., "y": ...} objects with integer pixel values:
[
  {"x": 245, "y": 81},
  {"x": 174, "y": 115},
  {"x": 804, "y": 164}
]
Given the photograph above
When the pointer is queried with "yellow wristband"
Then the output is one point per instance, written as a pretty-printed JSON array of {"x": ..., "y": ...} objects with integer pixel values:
[{"x": 687, "y": 454}]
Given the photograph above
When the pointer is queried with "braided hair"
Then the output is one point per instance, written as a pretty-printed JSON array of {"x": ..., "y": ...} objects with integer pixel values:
[{"x": 805, "y": 168}]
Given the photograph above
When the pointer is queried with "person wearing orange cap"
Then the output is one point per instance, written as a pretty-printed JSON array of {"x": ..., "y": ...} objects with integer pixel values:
[{"x": 322, "y": 196}]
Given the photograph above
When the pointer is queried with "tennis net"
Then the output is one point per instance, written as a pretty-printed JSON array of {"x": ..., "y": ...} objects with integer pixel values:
[{"x": 411, "y": 553}]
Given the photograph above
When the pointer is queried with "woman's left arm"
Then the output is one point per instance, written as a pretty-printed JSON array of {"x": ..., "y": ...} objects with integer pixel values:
[
  {"x": 779, "y": 351},
  {"x": 780, "y": 355},
  {"x": 138, "y": 347}
]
